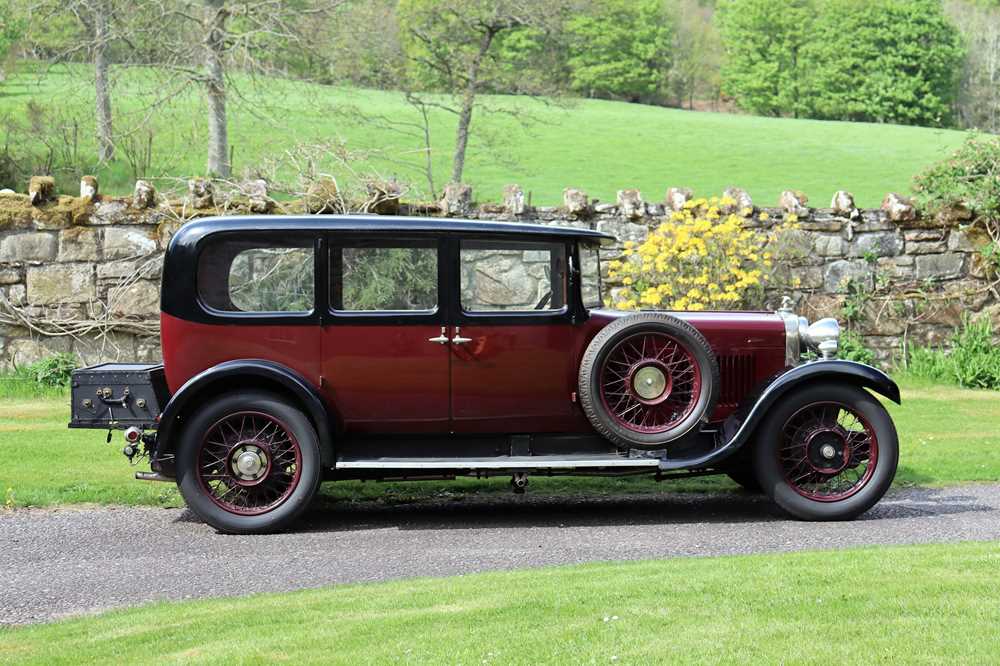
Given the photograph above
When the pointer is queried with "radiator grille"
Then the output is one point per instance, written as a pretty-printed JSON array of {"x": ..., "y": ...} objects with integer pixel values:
[{"x": 738, "y": 378}]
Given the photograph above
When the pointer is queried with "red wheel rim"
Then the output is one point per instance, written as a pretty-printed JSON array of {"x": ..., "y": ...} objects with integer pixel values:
[
  {"x": 828, "y": 452},
  {"x": 650, "y": 383},
  {"x": 249, "y": 463}
]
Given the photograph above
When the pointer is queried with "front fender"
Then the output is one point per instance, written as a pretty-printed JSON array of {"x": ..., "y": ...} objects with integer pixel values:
[
  {"x": 738, "y": 429},
  {"x": 247, "y": 372}
]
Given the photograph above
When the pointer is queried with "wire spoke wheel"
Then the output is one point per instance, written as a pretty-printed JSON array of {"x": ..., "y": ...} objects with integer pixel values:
[
  {"x": 249, "y": 463},
  {"x": 828, "y": 451},
  {"x": 650, "y": 382}
]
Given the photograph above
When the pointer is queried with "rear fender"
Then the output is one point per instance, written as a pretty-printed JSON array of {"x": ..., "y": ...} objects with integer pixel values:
[{"x": 250, "y": 373}]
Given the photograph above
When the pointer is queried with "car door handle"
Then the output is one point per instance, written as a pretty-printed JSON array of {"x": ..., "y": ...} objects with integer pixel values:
[
  {"x": 442, "y": 339},
  {"x": 458, "y": 339}
]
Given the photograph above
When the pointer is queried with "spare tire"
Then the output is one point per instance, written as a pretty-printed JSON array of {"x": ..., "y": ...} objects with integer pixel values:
[{"x": 648, "y": 379}]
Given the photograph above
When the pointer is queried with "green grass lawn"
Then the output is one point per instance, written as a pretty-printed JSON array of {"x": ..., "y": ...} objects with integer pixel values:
[
  {"x": 595, "y": 145},
  {"x": 926, "y": 604},
  {"x": 948, "y": 435}
]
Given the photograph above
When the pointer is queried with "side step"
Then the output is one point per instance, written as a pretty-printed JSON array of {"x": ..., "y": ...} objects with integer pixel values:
[{"x": 512, "y": 463}]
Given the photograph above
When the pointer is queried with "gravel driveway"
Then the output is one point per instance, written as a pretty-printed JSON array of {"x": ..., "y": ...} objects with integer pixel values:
[{"x": 69, "y": 561}]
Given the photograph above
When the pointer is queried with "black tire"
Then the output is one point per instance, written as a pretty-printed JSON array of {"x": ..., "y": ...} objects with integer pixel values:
[
  {"x": 619, "y": 331},
  {"x": 746, "y": 479},
  {"x": 299, "y": 490},
  {"x": 866, "y": 489}
]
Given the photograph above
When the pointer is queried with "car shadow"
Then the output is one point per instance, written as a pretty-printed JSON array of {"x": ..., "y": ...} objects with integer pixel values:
[{"x": 526, "y": 511}]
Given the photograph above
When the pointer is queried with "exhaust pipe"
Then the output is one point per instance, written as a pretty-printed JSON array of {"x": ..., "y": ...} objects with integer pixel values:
[{"x": 152, "y": 476}]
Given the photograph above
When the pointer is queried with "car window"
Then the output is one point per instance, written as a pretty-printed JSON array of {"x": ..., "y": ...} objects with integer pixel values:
[
  {"x": 390, "y": 276},
  {"x": 590, "y": 275},
  {"x": 501, "y": 276},
  {"x": 257, "y": 276}
]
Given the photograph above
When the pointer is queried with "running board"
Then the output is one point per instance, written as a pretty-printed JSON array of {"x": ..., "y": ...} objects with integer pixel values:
[{"x": 513, "y": 463}]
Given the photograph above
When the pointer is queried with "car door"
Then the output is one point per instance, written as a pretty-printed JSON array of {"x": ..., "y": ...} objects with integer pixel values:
[
  {"x": 385, "y": 357},
  {"x": 513, "y": 345}
]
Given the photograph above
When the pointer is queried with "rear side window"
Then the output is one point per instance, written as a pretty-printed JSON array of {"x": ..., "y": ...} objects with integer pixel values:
[
  {"x": 257, "y": 276},
  {"x": 513, "y": 276},
  {"x": 384, "y": 276}
]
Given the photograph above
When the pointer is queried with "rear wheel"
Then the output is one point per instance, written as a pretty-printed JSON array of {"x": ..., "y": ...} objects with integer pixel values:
[
  {"x": 248, "y": 463},
  {"x": 828, "y": 452}
]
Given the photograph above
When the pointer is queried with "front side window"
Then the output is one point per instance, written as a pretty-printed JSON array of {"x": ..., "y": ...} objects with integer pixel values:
[
  {"x": 257, "y": 276},
  {"x": 590, "y": 275},
  {"x": 388, "y": 276},
  {"x": 502, "y": 276}
]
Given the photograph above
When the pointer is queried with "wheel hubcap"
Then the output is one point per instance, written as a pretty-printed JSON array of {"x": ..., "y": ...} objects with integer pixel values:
[
  {"x": 649, "y": 382},
  {"x": 249, "y": 462}
]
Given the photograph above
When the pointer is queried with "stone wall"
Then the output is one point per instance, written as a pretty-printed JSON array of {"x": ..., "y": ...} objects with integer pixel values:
[{"x": 81, "y": 274}]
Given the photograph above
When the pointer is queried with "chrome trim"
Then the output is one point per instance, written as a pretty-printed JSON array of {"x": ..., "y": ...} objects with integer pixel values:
[
  {"x": 441, "y": 339},
  {"x": 793, "y": 343},
  {"x": 153, "y": 476},
  {"x": 824, "y": 337},
  {"x": 501, "y": 462}
]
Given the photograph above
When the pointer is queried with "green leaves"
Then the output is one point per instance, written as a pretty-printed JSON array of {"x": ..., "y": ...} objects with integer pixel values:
[
  {"x": 763, "y": 41},
  {"x": 620, "y": 49},
  {"x": 893, "y": 61},
  {"x": 890, "y": 61}
]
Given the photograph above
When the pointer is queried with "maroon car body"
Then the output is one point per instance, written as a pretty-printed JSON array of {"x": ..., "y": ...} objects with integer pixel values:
[{"x": 474, "y": 348}]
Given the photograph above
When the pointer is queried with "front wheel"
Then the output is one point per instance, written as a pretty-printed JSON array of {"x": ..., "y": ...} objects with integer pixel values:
[
  {"x": 827, "y": 452},
  {"x": 248, "y": 463}
]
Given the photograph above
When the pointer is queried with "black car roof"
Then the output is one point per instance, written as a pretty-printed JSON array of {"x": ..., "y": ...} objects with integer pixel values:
[{"x": 194, "y": 231}]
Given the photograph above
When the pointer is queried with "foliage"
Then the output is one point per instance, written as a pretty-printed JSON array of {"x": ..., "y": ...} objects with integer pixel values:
[
  {"x": 979, "y": 91},
  {"x": 890, "y": 61},
  {"x": 54, "y": 370},
  {"x": 389, "y": 279},
  {"x": 902, "y": 65},
  {"x": 969, "y": 177},
  {"x": 47, "y": 377},
  {"x": 973, "y": 362},
  {"x": 12, "y": 25},
  {"x": 763, "y": 42},
  {"x": 621, "y": 49},
  {"x": 699, "y": 259},
  {"x": 852, "y": 348}
]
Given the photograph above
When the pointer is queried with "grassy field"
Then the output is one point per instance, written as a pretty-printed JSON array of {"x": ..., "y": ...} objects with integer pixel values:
[
  {"x": 595, "y": 145},
  {"x": 927, "y": 604},
  {"x": 948, "y": 435}
]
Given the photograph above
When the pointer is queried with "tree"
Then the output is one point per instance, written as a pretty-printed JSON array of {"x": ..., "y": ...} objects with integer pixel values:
[
  {"x": 696, "y": 53},
  {"x": 99, "y": 25},
  {"x": 213, "y": 34},
  {"x": 453, "y": 47},
  {"x": 902, "y": 65},
  {"x": 11, "y": 31},
  {"x": 621, "y": 49},
  {"x": 763, "y": 41},
  {"x": 979, "y": 90}
]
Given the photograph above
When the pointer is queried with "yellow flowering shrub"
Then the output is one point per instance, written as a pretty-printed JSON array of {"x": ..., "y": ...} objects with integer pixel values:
[{"x": 698, "y": 259}]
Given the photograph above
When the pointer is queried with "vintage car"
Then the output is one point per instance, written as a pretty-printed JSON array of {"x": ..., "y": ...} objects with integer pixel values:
[{"x": 303, "y": 349}]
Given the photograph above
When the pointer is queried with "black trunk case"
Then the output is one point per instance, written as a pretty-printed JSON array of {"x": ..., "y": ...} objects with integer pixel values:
[{"x": 118, "y": 395}]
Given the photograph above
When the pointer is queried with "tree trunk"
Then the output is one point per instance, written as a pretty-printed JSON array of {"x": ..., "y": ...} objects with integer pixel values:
[
  {"x": 102, "y": 86},
  {"x": 215, "y": 87},
  {"x": 468, "y": 102}
]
